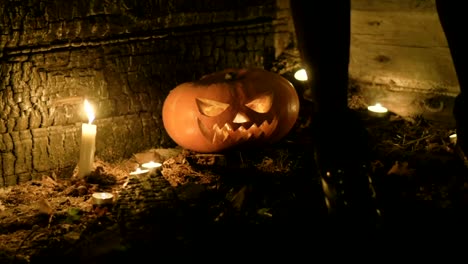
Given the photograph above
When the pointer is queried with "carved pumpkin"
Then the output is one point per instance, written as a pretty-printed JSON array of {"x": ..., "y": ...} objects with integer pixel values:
[{"x": 231, "y": 108}]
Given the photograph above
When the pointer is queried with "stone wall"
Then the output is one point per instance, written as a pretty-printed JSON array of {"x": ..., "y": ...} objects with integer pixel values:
[{"x": 124, "y": 57}]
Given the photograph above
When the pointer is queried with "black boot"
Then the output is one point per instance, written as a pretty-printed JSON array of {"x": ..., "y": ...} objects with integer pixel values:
[
  {"x": 460, "y": 113},
  {"x": 342, "y": 155}
]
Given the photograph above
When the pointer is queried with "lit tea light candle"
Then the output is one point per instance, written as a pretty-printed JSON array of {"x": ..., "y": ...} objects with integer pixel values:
[
  {"x": 377, "y": 108},
  {"x": 139, "y": 171},
  {"x": 301, "y": 75},
  {"x": 100, "y": 198},
  {"x": 151, "y": 165},
  {"x": 453, "y": 138},
  {"x": 88, "y": 142}
]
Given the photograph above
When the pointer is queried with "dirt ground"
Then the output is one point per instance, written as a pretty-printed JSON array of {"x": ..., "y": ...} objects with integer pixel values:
[{"x": 208, "y": 202}]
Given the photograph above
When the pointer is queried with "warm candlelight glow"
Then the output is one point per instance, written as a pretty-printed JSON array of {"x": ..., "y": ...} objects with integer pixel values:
[
  {"x": 102, "y": 198},
  {"x": 301, "y": 75},
  {"x": 88, "y": 143},
  {"x": 89, "y": 111},
  {"x": 139, "y": 171},
  {"x": 453, "y": 138},
  {"x": 151, "y": 165},
  {"x": 377, "y": 108}
]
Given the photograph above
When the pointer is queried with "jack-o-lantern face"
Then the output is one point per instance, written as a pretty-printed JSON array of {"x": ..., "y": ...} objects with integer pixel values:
[
  {"x": 237, "y": 120},
  {"x": 230, "y": 108}
]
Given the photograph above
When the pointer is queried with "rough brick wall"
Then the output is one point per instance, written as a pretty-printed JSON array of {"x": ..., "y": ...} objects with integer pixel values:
[{"x": 123, "y": 56}]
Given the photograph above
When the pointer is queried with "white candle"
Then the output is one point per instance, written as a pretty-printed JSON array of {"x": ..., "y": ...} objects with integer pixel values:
[
  {"x": 139, "y": 171},
  {"x": 151, "y": 165},
  {"x": 102, "y": 198},
  {"x": 88, "y": 143},
  {"x": 453, "y": 138},
  {"x": 377, "y": 108}
]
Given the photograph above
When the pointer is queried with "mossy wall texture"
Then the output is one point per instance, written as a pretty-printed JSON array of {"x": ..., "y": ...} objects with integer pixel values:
[{"x": 124, "y": 56}]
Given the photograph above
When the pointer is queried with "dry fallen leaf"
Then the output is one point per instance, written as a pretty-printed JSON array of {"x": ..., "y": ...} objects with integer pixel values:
[
  {"x": 49, "y": 181},
  {"x": 376, "y": 164},
  {"x": 144, "y": 157},
  {"x": 239, "y": 198},
  {"x": 400, "y": 169},
  {"x": 44, "y": 207}
]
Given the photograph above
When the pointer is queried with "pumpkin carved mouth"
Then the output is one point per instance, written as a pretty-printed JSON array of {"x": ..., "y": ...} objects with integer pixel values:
[{"x": 219, "y": 134}]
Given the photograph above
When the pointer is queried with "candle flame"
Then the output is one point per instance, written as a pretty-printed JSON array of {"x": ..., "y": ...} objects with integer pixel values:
[
  {"x": 453, "y": 138},
  {"x": 377, "y": 108},
  {"x": 139, "y": 171},
  {"x": 301, "y": 75},
  {"x": 89, "y": 111},
  {"x": 151, "y": 165}
]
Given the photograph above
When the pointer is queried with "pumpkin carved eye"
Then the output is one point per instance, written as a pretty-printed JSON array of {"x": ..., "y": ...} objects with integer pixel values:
[
  {"x": 261, "y": 104},
  {"x": 209, "y": 107}
]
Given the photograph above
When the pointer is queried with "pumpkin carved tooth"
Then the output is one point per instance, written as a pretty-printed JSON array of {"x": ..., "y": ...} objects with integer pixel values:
[
  {"x": 266, "y": 128},
  {"x": 253, "y": 126},
  {"x": 227, "y": 132},
  {"x": 220, "y": 135}
]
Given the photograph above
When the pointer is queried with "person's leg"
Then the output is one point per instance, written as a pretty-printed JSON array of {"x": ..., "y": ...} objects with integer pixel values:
[
  {"x": 341, "y": 145},
  {"x": 453, "y": 20},
  {"x": 323, "y": 38}
]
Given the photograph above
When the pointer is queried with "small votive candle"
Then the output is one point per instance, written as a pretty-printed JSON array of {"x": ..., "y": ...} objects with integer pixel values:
[
  {"x": 100, "y": 198},
  {"x": 453, "y": 138},
  {"x": 151, "y": 165},
  {"x": 139, "y": 171},
  {"x": 377, "y": 109}
]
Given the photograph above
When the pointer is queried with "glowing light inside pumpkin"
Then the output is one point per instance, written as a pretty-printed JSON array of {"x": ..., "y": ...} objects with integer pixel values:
[
  {"x": 221, "y": 133},
  {"x": 210, "y": 107},
  {"x": 262, "y": 104},
  {"x": 377, "y": 108},
  {"x": 301, "y": 75},
  {"x": 225, "y": 132},
  {"x": 240, "y": 118}
]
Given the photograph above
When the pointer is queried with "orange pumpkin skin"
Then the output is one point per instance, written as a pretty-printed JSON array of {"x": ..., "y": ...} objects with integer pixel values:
[{"x": 231, "y": 108}]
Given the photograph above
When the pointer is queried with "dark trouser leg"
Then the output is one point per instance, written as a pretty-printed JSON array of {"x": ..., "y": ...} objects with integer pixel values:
[
  {"x": 323, "y": 38},
  {"x": 453, "y": 19}
]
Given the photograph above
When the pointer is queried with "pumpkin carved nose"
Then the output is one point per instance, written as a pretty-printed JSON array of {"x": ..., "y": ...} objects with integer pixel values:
[{"x": 240, "y": 118}]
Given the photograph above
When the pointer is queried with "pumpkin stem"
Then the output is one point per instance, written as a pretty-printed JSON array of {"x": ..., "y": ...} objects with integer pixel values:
[{"x": 230, "y": 76}]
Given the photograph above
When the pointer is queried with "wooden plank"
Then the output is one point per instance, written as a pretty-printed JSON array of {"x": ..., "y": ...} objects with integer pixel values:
[
  {"x": 420, "y": 29},
  {"x": 405, "y": 68},
  {"x": 394, "y": 5},
  {"x": 406, "y": 50},
  {"x": 400, "y": 58}
]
